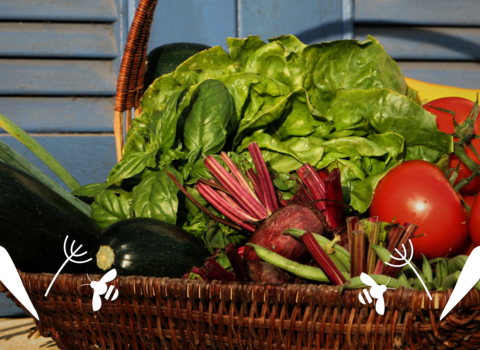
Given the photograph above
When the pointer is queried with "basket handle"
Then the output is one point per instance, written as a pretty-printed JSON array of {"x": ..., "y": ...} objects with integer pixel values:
[{"x": 132, "y": 71}]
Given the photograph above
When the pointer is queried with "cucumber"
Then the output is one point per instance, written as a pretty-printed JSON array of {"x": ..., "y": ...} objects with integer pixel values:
[
  {"x": 149, "y": 247},
  {"x": 34, "y": 222},
  {"x": 166, "y": 58}
]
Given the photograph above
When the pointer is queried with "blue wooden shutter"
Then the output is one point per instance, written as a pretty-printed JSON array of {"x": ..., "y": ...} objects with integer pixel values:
[
  {"x": 59, "y": 62},
  {"x": 436, "y": 41},
  {"x": 210, "y": 22}
]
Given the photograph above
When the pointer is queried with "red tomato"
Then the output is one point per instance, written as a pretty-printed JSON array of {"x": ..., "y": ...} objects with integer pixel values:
[
  {"x": 467, "y": 249},
  {"x": 418, "y": 192},
  {"x": 474, "y": 223},
  {"x": 469, "y": 200},
  {"x": 462, "y": 108}
]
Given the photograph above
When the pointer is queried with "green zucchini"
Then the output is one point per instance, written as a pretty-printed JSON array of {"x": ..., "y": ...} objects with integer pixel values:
[
  {"x": 34, "y": 222},
  {"x": 166, "y": 58},
  {"x": 149, "y": 247}
]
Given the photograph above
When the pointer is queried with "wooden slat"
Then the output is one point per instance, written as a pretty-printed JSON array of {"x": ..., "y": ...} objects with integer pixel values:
[
  {"x": 207, "y": 22},
  {"x": 424, "y": 12},
  {"x": 89, "y": 158},
  {"x": 57, "y": 40},
  {"x": 62, "y": 114},
  {"x": 57, "y": 77},
  {"x": 55, "y": 10},
  {"x": 426, "y": 43},
  {"x": 463, "y": 75},
  {"x": 310, "y": 20}
]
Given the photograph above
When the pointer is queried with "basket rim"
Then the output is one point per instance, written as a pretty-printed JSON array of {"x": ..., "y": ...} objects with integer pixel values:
[{"x": 401, "y": 299}]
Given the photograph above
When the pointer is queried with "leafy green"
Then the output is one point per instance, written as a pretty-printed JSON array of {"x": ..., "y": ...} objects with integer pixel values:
[
  {"x": 111, "y": 206},
  {"x": 387, "y": 111},
  {"x": 342, "y": 104},
  {"x": 130, "y": 165},
  {"x": 211, "y": 116},
  {"x": 156, "y": 196},
  {"x": 90, "y": 190},
  {"x": 349, "y": 65}
]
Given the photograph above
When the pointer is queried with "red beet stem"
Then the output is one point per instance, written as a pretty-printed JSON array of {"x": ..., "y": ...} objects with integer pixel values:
[
  {"x": 360, "y": 226},
  {"x": 201, "y": 207},
  {"x": 314, "y": 183},
  {"x": 357, "y": 264},
  {"x": 371, "y": 255},
  {"x": 238, "y": 175},
  {"x": 351, "y": 221},
  {"x": 322, "y": 259},
  {"x": 241, "y": 250},
  {"x": 237, "y": 262},
  {"x": 199, "y": 271},
  {"x": 271, "y": 202},
  {"x": 334, "y": 212},
  {"x": 216, "y": 272},
  {"x": 256, "y": 184},
  {"x": 226, "y": 208},
  {"x": 403, "y": 247},
  {"x": 394, "y": 234},
  {"x": 244, "y": 197}
]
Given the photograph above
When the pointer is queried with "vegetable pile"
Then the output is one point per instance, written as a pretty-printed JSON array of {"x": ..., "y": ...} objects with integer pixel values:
[
  {"x": 283, "y": 162},
  {"x": 342, "y": 104}
]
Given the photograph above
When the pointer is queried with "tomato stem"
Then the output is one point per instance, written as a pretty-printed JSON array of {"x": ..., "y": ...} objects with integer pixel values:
[{"x": 459, "y": 151}]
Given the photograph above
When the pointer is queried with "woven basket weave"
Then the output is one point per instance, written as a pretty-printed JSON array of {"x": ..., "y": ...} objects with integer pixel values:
[{"x": 162, "y": 313}]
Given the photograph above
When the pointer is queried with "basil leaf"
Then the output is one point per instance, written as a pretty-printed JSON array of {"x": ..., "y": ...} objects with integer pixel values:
[
  {"x": 110, "y": 206},
  {"x": 156, "y": 196},
  {"x": 90, "y": 190},
  {"x": 130, "y": 165},
  {"x": 164, "y": 122},
  {"x": 211, "y": 114}
]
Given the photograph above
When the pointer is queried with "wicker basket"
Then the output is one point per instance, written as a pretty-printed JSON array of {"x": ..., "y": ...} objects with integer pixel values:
[{"x": 162, "y": 313}]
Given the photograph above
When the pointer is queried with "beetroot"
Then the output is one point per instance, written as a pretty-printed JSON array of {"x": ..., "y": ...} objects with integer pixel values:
[
  {"x": 260, "y": 271},
  {"x": 256, "y": 208},
  {"x": 270, "y": 234}
]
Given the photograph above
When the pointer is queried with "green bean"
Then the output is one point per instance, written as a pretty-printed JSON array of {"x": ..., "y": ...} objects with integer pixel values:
[
  {"x": 441, "y": 273},
  {"x": 308, "y": 272},
  {"x": 342, "y": 255},
  {"x": 427, "y": 269},
  {"x": 356, "y": 282},
  {"x": 457, "y": 263},
  {"x": 430, "y": 285},
  {"x": 383, "y": 254},
  {"x": 434, "y": 261},
  {"x": 403, "y": 280},
  {"x": 414, "y": 282},
  {"x": 450, "y": 281}
]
